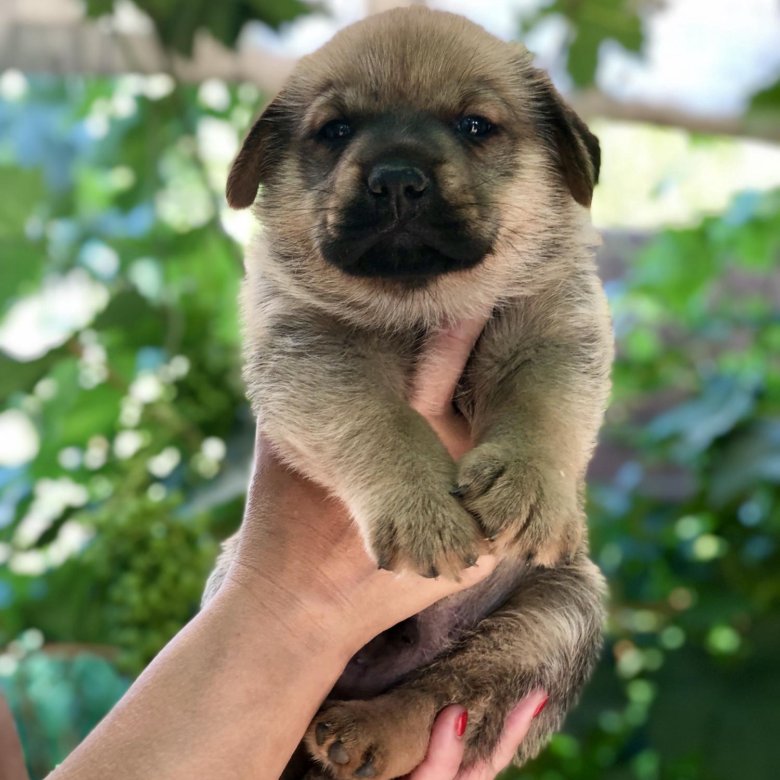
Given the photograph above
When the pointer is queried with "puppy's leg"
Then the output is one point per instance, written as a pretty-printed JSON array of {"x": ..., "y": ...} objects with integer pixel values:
[
  {"x": 332, "y": 401},
  {"x": 538, "y": 405},
  {"x": 546, "y": 636}
]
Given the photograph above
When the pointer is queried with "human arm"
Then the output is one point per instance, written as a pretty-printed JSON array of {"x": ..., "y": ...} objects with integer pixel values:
[{"x": 233, "y": 692}]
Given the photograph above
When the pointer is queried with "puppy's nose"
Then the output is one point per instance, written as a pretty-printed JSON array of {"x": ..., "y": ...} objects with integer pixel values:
[{"x": 399, "y": 184}]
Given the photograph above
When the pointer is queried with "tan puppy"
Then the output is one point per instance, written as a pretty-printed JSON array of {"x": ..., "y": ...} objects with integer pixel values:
[{"x": 416, "y": 171}]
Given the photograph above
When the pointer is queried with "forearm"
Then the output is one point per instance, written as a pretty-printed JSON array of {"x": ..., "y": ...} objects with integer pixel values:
[{"x": 229, "y": 697}]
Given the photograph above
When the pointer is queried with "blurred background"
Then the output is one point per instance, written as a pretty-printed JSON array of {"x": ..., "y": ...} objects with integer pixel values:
[{"x": 125, "y": 438}]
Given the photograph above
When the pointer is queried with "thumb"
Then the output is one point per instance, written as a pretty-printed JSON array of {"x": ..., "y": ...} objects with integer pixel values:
[
  {"x": 445, "y": 750},
  {"x": 442, "y": 362},
  {"x": 516, "y": 726}
]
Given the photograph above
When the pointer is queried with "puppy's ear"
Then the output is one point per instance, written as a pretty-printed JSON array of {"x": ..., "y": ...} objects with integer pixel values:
[
  {"x": 260, "y": 153},
  {"x": 575, "y": 150}
]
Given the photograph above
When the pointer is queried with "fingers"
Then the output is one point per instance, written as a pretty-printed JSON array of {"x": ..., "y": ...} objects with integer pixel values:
[
  {"x": 412, "y": 593},
  {"x": 438, "y": 371},
  {"x": 441, "y": 365},
  {"x": 445, "y": 750},
  {"x": 515, "y": 728}
]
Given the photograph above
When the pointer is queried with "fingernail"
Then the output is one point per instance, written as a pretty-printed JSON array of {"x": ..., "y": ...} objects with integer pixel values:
[
  {"x": 542, "y": 704},
  {"x": 461, "y": 723}
]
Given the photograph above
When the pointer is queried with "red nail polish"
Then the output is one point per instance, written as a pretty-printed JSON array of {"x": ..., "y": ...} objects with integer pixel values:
[
  {"x": 461, "y": 723},
  {"x": 542, "y": 704}
]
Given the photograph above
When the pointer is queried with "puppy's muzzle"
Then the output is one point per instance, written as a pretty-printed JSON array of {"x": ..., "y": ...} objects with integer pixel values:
[
  {"x": 398, "y": 223},
  {"x": 398, "y": 187}
]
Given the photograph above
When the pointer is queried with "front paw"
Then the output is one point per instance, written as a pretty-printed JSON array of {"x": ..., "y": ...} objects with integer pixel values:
[
  {"x": 425, "y": 530},
  {"x": 529, "y": 504}
]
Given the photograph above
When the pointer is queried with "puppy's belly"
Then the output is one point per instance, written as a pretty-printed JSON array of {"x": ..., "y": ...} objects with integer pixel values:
[{"x": 395, "y": 653}]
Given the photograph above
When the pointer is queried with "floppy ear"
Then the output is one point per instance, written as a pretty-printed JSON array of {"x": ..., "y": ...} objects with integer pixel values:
[
  {"x": 574, "y": 148},
  {"x": 258, "y": 156}
]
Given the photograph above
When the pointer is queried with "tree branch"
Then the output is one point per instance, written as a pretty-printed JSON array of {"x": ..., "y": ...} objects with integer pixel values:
[
  {"x": 592, "y": 104},
  {"x": 68, "y": 45}
]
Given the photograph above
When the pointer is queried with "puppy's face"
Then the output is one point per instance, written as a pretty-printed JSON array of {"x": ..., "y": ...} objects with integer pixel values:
[
  {"x": 408, "y": 149},
  {"x": 410, "y": 185}
]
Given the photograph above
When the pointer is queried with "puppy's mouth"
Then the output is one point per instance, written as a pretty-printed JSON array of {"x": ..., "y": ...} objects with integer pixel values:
[{"x": 410, "y": 252}]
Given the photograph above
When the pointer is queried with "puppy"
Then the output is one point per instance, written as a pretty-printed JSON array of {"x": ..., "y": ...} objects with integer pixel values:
[{"x": 416, "y": 171}]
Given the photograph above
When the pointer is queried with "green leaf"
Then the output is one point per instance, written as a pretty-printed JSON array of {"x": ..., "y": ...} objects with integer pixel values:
[
  {"x": 717, "y": 409},
  {"x": 177, "y": 23},
  {"x": 767, "y": 100},
  {"x": 129, "y": 313},
  {"x": 21, "y": 269},
  {"x": 23, "y": 259},
  {"x": 19, "y": 377},
  {"x": 24, "y": 192},
  {"x": 94, "y": 411},
  {"x": 584, "y": 56},
  {"x": 592, "y": 23},
  {"x": 751, "y": 458}
]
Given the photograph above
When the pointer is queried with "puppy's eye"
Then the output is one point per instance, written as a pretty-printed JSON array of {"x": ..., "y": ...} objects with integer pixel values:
[
  {"x": 474, "y": 126},
  {"x": 336, "y": 130}
]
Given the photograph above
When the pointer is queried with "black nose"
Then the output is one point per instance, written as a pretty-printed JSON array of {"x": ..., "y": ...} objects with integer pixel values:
[{"x": 399, "y": 184}]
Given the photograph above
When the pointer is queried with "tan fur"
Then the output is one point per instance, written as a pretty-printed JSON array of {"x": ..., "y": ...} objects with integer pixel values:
[
  {"x": 535, "y": 640},
  {"x": 329, "y": 358}
]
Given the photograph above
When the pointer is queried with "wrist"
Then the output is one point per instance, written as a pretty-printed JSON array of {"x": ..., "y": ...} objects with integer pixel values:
[{"x": 309, "y": 625}]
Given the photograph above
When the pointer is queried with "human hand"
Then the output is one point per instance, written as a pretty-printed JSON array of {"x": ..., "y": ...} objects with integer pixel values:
[
  {"x": 299, "y": 547},
  {"x": 445, "y": 750}
]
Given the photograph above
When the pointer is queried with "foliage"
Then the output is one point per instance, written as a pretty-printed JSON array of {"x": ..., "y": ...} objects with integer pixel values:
[
  {"x": 687, "y": 529},
  {"x": 767, "y": 99},
  {"x": 764, "y": 109},
  {"x": 108, "y": 528},
  {"x": 589, "y": 25},
  {"x": 178, "y": 23},
  {"x": 133, "y": 408},
  {"x": 68, "y": 694},
  {"x": 107, "y": 533}
]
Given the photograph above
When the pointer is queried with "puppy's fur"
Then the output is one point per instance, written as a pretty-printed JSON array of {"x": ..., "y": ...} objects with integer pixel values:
[{"x": 416, "y": 171}]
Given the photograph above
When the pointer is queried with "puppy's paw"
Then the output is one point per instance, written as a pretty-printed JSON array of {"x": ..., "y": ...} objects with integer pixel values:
[
  {"x": 532, "y": 506},
  {"x": 426, "y": 532},
  {"x": 379, "y": 738}
]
